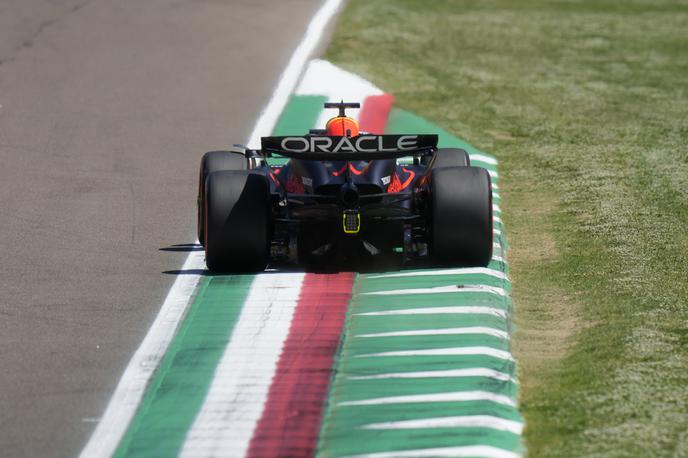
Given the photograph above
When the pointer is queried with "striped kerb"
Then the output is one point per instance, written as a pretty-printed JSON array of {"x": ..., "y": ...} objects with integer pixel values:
[{"x": 290, "y": 364}]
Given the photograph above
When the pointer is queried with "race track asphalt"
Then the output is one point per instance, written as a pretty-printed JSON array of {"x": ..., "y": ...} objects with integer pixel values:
[{"x": 106, "y": 108}]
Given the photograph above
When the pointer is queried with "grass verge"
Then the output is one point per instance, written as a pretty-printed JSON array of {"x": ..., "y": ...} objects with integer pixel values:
[{"x": 585, "y": 103}]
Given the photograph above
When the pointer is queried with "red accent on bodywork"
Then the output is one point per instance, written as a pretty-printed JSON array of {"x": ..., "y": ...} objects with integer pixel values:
[
  {"x": 336, "y": 173},
  {"x": 273, "y": 175},
  {"x": 354, "y": 170},
  {"x": 291, "y": 417},
  {"x": 396, "y": 185},
  {"x": 294, "y": 185}
]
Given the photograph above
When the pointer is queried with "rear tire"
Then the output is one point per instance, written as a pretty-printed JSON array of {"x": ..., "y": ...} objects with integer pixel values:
[
  {"x": 214, "y": 161},
  {"x": 461, "y": 216},
  {"x": 451, "y": 157},
  {"x": 238, "y": 225}
]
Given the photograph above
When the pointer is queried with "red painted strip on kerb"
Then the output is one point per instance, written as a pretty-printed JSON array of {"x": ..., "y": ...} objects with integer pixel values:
[
  {"x": 375, "y": 112},
  {"x": 290, "y": 421}
]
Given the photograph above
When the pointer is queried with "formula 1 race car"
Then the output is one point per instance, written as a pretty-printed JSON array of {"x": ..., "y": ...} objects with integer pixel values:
[{"x": 343, "y": 196}]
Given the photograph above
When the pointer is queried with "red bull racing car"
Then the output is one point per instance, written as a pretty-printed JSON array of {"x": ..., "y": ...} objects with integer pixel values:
[{"x": 343, "y": 196}]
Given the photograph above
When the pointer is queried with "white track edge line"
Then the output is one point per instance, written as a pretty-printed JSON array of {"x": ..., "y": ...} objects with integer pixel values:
[
  {"x": 452, "y": 289},
  {"x": 446, "y": 373},
  {"x": 478, "y": 157},
  {"x": 453, "y": 396},
  {"x": 473, "y": 451},
  {"x": 441, "y": 310},
  {"x": 132, "y": 386},
  {"x": 453, "y": 271},
  {"x": 451, "y": 351},
  {"x": 292, "y": 73},
  {"x": 483, "y": 330},
  {"x": 458, "y": 421}
]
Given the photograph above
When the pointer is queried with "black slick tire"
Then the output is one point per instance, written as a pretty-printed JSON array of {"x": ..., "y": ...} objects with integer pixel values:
[
  {"x": 451, "y": 157},
  {"x": 214, "y": 161},
  {"x": 461, "y": 216},
  {"x": 238, "y": 225}
]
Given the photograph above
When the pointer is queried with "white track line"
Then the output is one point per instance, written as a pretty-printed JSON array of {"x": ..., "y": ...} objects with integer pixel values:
[
  {"x": 441, "y": 290},
  {"x": 449, "y": 373},
  {"x": 454, "y": 351},
  {"x": 452, "y": 310},
  {"x": 483, "y": 158},
  {"x": 442, "y": 332},
  {"x": 224, "y": 426},
  {"x": 132, "y": 385},
  {"x": 290, "y": 76},
  {"x": 464, "y": 421},
  {"x": 455, "y": 396},
  {"x": 325, "y": 79},
  {"x": 472, "y": 451},
  {"x": 456, "y": 271}
]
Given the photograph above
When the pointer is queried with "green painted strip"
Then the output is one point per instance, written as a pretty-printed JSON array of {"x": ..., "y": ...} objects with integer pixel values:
[
  {"x": 300, "y": 115},
  {"x": 402, "y": 122},
  {"x": 379, "y": 303},
  {"x": 183, "y": 378},
  {"x": 356, "y": 390},
  {"x": 415, "y": 322},
  {"x": 385, "y": 441},
  {"x": 350, "y": 367},
  {"x": 428, "y": 281},
  {"x": 362, "y": 346},
  {"x": 359, "y": 415}
]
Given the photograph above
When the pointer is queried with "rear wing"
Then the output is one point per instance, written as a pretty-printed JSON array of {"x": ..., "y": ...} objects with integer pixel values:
[{"x": 360, "y": 148}]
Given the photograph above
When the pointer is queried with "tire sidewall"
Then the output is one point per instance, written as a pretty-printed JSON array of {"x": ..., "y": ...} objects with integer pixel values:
[
  {"x": 214, "y": 161},
  {"x": 238, "y": 222},
  {"x": 460, "y": 219}
]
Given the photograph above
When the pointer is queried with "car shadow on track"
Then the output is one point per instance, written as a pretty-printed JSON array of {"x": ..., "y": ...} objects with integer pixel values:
[
  {"x": 182, "y": 247},
  {"x": 358, "y": 267}
]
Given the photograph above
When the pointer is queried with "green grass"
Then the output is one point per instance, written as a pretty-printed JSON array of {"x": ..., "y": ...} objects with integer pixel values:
[{"x": 585, "y": 103}]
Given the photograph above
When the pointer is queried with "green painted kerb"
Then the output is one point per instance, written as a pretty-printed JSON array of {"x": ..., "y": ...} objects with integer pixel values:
[
  {"x": 402, "y": 122},
  {"x": 183, "y": 378},
  {"x": 367, "y": 371},
  {"x": 300, "y": 115}
]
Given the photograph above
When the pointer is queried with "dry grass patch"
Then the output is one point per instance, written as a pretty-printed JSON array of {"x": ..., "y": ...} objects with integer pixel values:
[{"x": 546, "y": 316}]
